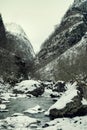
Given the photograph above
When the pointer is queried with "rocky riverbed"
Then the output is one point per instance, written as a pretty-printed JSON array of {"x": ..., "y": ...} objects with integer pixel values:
[{"x": 51, "y": 109}]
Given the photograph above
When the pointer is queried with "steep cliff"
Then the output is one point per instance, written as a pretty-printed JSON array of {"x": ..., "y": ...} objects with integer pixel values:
[
  {"x": 16, "y": 53},
  {"x": 59, "y": 56}
]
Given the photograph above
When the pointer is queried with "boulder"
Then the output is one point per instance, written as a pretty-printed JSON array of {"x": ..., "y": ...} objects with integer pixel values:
[
  {"x": 37, "y": 92},
  {"x": 70, "y": 104},
  {"x": 59, "y": 86},
  {"x": 70, "y": 110},
  {"x": 32, "y": 87},
  {"x": 35, "y": 110},
  {"x": 17, "y": 121}
]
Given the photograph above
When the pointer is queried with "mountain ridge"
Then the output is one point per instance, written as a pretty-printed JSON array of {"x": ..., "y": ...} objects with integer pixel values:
[
  {"x": 69, "y": 33},
  {"x": 16, "y": 53}
]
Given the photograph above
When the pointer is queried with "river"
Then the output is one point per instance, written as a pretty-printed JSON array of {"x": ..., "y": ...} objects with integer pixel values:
[{"x": 21, "y": 104}]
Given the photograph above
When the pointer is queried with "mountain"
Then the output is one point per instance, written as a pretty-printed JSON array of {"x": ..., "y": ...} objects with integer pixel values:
[
  {"x": 17, "y": 41},
  {"x": 16, "y": 52},
  {"x": 63, "y": 54},
  {"x": 77, "y": 3}
]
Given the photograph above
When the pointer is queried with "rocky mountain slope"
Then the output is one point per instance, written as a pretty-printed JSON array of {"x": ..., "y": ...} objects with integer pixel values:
[
  {"x": 16, "y": 52},
  {"x": 63, "y": 54},
  {"x": 68, "y": 65}
]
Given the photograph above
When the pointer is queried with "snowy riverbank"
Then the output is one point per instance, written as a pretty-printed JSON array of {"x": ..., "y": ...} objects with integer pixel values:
[{"x": 26, "y": 111}]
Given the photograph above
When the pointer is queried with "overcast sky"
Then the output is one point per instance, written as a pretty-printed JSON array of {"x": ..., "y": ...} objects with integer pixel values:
[{"x": 37, "y": 17}]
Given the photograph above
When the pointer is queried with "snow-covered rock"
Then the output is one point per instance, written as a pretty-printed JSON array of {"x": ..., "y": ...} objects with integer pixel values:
[
  {"x": 34, "y": 110},
  {"x": 66, "y": 97},
  {"x": 17, "y": 114},
  {"x": 59, "y": 86},
  {"x": 7, "y": 95},
  {"x": 54, "y": 89},
  {"x": 2, "y": 106},
  {"x": 29, "y": 87},
  {"x": 77, "y": 123},
  {"x": 84, "y": 101},
  {"x": 70, "y": 103},
  {"x": 17, "y": 121}
]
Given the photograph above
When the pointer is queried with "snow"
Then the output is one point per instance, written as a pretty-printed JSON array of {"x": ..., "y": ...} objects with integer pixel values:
[
  {"x": 7, "y": 96},
  {"x": 66, "y": 97},
  {"x": 60, "y": 81},
  {"x": 75, "y": 25},
  {"x": 27, "y": 85},
  {"x": 18, "y": 122},
  {"x": 33, "y": 126},
  {"x": 49, "y": 89},
  {"x": 77, "y": 123},
  {"x": 72, "y": 16},
  {"x": 70, "y": 55},
  {"x": 78, "y": 2},
  {"x": 5, "y": 101},
  {"x": 84, "y": 101},
  {"x": 2, "y": 106},
  {"x": 21, "y": 96},
  {"x": 17, "y": 31},
  {"x": 4, "y": 110},
  {"x": 75, "y": 50},
  {"x": 17, "y": 114},
  {"x": 47, "y": 92},
  {"x": 22, "y": 129},
  {"x": 48, "y": 83},
  {"x": 14, "y": 29},
  {"x": 34, "y": 110}
]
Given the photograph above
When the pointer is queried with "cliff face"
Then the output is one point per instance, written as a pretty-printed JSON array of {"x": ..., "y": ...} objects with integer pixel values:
[
  {"x": 16, "y": 53},
  {"x": 2, "y": 33},
  {"x": 59, "y": 55},
  {"x": 18, "y": 43},
  {"x": 68, "y": 65}
]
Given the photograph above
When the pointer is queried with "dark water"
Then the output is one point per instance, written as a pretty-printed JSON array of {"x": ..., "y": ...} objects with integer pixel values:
[{"x": 22, "y": 104}]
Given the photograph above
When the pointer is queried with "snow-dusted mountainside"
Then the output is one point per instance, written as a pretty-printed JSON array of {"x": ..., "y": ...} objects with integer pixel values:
[
  {"x": 78, "y": 2},
  {"x": 61, "y": 55},
  {"x": 16, "y": 52},
  {"x": 17, "y": 41},
  {"x": 68, "y": 65}
]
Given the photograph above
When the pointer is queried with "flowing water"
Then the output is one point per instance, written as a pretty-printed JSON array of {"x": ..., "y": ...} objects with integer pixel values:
[{"x": 22, "y": 104}]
